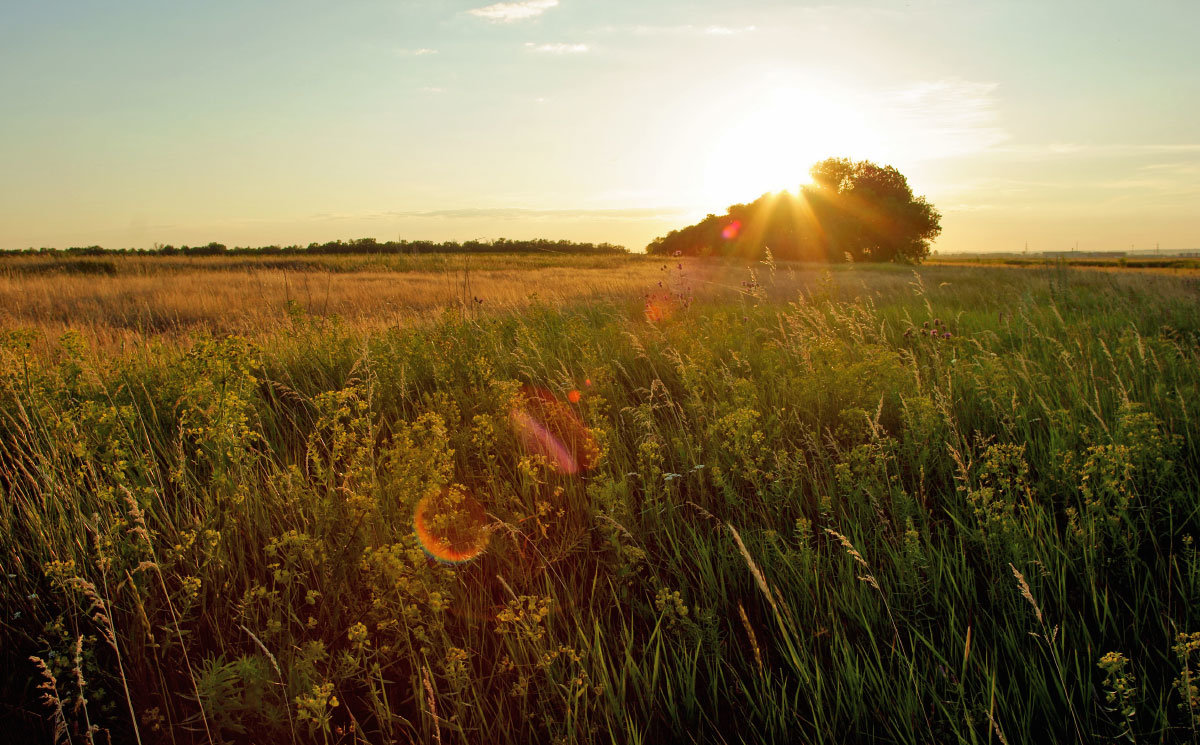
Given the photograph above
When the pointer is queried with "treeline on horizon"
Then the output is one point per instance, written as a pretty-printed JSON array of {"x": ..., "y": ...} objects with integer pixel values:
[
  {"x": 353, "y": 246},
  {"x": 852, "y": 211}
]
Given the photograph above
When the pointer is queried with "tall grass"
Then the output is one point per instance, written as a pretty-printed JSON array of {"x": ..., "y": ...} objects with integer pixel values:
[{"x": 795, "y": 515}]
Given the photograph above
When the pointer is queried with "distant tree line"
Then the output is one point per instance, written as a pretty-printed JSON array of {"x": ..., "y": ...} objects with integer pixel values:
[
  {"x": 852, "y": 211},
  {"x": 353, "y": 246}
]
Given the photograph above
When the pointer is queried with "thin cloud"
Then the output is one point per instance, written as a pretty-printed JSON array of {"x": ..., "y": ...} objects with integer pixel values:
[
  {"x": 422, "y": 52},
  {"x": 728, "y": 30},
  {"x": 509, "y": 12},
  {"x": 1110, "y": 149},
  {"x": 557, "y": 48},
  {"x": 687, "y": 29},
  {"x": 945, "y": 118}
]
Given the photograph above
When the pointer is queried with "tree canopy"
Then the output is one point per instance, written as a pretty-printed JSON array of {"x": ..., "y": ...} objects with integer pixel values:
[{"x": 852, "y": 211}]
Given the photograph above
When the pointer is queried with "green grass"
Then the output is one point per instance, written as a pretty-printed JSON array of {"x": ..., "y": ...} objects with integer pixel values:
[{"x": 803, "y": 521}]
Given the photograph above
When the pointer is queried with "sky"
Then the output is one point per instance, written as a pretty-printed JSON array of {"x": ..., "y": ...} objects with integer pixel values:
[{"x": 1047, "y": 123}]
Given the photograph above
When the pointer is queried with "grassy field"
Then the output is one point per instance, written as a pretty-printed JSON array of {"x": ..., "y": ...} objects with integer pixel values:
[
  {"x": 121, "y": 299},
  {"x": 1176, "y": 265},
  {"x": 765, "y": 504}
]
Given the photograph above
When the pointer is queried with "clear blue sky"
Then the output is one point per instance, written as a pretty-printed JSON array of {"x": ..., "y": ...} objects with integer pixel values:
[{"x": 131, "y": 123}]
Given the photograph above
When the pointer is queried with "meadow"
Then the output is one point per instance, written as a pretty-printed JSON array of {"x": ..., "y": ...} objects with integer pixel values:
[{"x": 597, "y": 500}]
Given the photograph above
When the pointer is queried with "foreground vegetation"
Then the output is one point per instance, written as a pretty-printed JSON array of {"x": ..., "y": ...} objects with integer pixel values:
[{"x": 957, "y": 505}]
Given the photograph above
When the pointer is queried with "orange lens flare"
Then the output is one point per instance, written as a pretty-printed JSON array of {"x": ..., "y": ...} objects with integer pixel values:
[
  {"x": 451, "y": 526},
  {"x": 731, "y": 230},
  {"x": 548, "y": 427},
  {"x": 659, "y": 307}
]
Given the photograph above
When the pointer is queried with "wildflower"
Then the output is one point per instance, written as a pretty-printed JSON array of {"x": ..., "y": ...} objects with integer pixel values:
[
  {"x": 678, "y": 253},
  {"x": 357, "y": 635},
  {"x": 946, "y": 335},
  {"x": 934, "y": 333},
  {"x": 1120, "y": 685}
]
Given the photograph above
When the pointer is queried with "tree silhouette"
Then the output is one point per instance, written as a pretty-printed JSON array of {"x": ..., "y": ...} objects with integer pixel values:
[{"x": 852, "y": 210}]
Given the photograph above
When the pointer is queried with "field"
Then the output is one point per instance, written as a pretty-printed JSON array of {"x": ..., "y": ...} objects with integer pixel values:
[
  {"x": 1175, "y": 265},
  {"x": 604, "y": 499}
]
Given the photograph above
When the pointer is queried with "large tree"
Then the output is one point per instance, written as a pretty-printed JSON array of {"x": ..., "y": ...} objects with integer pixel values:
[{"x": 852, "y": 210}]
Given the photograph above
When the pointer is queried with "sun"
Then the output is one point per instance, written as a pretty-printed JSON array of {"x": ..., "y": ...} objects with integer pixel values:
[{"x": 771, "y": 139}]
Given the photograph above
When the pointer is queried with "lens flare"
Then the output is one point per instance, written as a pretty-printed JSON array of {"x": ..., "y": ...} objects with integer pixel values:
[
  {"x": 548, "y": 427},
  {"x": 451, "y": 526},
  {"x": 659, "y": 307},
  {"x": 731, "y": 230}
]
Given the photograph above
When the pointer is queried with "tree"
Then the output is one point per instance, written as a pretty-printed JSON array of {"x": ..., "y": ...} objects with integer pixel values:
[
  {"x": 872, "y": 212},
  {"x": 852, "y": 210}
]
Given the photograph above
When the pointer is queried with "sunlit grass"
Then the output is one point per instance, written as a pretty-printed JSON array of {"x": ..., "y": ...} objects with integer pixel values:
[{"x": 786, "y": 511}]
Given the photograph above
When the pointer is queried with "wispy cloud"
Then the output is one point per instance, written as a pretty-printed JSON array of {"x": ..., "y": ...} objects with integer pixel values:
[
  {"x": 556, "y": 48},
  {"x": 1114, "y": 149},
  {"x": 728, "y": 30},
  {"x": 422, "y": 52},
  {"x": 944, "y": 118},
  {"x": 509, "y": 12},
  {"x": 687, "y": 29}
]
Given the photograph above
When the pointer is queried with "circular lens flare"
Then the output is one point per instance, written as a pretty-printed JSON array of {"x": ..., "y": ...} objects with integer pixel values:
[
  {"x": 451, "y": 526},
  {"x": 731, "y": 230}
]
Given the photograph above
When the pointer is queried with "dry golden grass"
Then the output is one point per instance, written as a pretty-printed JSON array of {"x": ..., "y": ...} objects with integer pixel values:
[
  {"x": 136, "y": 298},
  {"x": 113, "y": 307}
]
